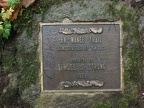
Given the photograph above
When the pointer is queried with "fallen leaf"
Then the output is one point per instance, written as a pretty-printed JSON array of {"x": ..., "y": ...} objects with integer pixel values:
[
  {"x": 27, "y": 3},
  {"x": 3, "y": 10},
  {"x": 1, "y": 22},
  {"x": 3, "y": 3},
  {"x": 7, "y": 14},
  {"x": 16, "y": 12}
]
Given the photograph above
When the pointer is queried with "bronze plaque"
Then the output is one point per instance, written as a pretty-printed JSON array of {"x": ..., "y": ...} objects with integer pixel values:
[{"x": 81, "y": 57}]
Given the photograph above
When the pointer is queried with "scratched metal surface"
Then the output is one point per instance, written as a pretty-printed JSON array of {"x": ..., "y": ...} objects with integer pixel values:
[{"x": 110, "y": 55}]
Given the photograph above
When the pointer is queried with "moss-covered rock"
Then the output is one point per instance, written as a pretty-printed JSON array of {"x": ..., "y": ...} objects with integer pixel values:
[
  {"x": 92, "y": 10},
  {"x": 22, "y": 65},
  {"x": 71, "y": 100}
]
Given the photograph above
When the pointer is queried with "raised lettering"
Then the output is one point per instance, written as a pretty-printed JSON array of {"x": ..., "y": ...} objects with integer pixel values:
[
  {"x": 77, "y": 40},
  {"x": 82, "y": 75},
  {"x": 97, "y": 66},
  {"x": 95, "y": 39},
  {"x": 66, "y": 67},
  {"x": 63, "y": 40}
]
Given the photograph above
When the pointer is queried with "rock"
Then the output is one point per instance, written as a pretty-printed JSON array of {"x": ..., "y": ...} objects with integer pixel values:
[
  {"x": 91, "y": 10},
  {"x": 12, "y": 82},
  {"x": 69, "y": 100},
  {"x": 4, "y": 81},
  {"x": 31, "y": 93},
  {"x": 138, "y": 0},
  {"x": 141, "y": 23},
  {"x": 13, "y": 79},
  {"x": 66, "y": 20},
  {"x": 37, "y": 18}
]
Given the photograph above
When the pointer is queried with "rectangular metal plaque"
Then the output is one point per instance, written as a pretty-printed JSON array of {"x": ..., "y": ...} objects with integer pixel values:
[{"x": 83, "y": 57}]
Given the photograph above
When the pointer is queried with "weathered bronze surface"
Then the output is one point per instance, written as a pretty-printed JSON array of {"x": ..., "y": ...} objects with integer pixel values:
[{"x": 81, "y": 57}]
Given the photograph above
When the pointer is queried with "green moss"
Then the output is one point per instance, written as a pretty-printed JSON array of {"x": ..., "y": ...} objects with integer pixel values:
[
  {"x": 85, "y": 5},
  {"x": 30, "y": 74},
  {"x": 43, "y": 101},
  {"x": 120, "y": 100},
  {"x": 25, "y": 63},
  {"x": 26, "y": 66},
  {"x": 22, "y": 59},
  {"x": 10, "y": 97},
  {"x": 25, "y": 20},
  {"x": 103, "y": 105},
  {"x": 132, "y": 58},
  {"x": 94, "y": 14},
  {"x": 9, "y": 60},
  {"x": 72, "y": 12},
  {"x": 131, "y": 47}
]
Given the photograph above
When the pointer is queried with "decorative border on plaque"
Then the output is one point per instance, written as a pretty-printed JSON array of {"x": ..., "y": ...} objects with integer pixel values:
[
  {"x": 80, "y": 31},
  {"x": 69, "y": 84}
]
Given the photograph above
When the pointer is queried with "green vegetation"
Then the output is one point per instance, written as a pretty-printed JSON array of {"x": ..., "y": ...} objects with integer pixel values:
[
  {"x": 13, "y": 3},
  {"x": 6, "y": 15},
  {"x": 5, "y": 25},
  {"x": 5, "y": 29}
]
